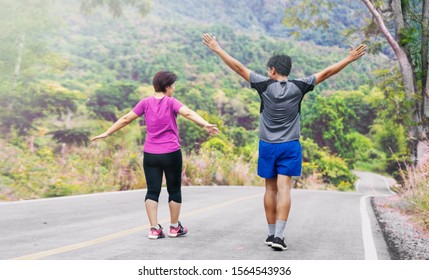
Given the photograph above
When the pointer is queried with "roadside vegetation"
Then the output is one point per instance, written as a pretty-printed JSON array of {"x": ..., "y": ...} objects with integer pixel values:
[{"x": 415, "y": 192}]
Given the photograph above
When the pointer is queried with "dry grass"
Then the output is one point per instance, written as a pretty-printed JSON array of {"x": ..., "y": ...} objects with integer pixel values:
[
  {"x": 415, "y": 191},
  {"x": 214, "y": 168}
]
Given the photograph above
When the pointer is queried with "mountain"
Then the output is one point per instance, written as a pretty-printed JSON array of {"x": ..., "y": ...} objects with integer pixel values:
[
  {"x": 169, "y": 37},
  {"x": 264, "y": 16}
]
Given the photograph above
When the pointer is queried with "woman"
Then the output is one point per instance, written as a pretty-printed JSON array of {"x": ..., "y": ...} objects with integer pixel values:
[{"x": 162, "y": 154}]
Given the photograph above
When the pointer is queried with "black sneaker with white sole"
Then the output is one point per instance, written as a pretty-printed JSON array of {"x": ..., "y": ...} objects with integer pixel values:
[
  {"x": 279, "y": 244},
  {"x": 269, "y": 240}
]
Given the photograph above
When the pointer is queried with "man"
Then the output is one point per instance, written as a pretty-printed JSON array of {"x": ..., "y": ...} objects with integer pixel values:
[{"x": 280, "y": 155}]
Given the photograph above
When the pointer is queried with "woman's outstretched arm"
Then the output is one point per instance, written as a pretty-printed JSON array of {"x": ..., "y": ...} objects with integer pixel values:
[
  {"x": 193, "y": 116},
  {"x": 122, "y": 122}
]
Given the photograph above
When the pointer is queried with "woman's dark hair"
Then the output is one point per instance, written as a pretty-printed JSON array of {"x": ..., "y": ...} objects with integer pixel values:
[
  {"x": 163, "y": 79},
  {"x": 281, "y": 62}
]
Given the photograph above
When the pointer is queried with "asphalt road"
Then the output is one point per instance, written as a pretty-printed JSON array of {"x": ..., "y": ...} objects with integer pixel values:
[{"x": 224, "y": 223}]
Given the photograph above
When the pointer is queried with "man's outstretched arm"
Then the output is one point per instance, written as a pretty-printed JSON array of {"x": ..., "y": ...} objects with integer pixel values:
[
  {"x": 354, "y": 55},
  {"x": 232, "y": 63}
]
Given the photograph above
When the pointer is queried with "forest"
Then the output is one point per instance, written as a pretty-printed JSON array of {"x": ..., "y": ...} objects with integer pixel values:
[{"x": 69, "y": 69}]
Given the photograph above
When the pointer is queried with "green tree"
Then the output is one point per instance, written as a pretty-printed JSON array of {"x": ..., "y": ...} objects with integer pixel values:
[
  {"x": 71, "y": 136},
  {"x": 191, "y": 135},
  {"x": 111, "y": 99},
  {"x": 24, "y": 26},
  {"x": 389, "y": 130},
  {"x": 325, "y": 122},
  {"x": 339, "y": 122},
  {"x": 361, "y": 103},
  {"x": 332, "y": 169},
  {"x": 24, "y": 58},
  {"x": 40, "y": 101}
]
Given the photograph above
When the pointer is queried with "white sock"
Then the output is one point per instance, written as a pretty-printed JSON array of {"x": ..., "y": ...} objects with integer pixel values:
[
  {"x": 280, "y": 228},
  {"x": 271, "y": 229}
]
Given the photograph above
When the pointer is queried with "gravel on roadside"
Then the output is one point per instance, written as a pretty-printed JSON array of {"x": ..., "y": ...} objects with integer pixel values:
[{"x": 404, "y": 239}]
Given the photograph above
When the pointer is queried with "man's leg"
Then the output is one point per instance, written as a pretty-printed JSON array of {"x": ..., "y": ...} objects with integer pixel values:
[
  {"x": 284, "y": 185},
  {"x": 266, "y": 169},
  {"x": 270, "y": 200}
]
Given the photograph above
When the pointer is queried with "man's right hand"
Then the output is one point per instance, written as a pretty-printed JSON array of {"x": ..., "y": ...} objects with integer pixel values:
[
  {"x": 211, "y": 42},
  {"x": 232, "y": 63}
]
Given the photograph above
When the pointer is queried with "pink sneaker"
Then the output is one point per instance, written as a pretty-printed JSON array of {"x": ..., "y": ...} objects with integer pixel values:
[
  {"x": 177, "y": 231},
  {"x": 156, "y": 233}
]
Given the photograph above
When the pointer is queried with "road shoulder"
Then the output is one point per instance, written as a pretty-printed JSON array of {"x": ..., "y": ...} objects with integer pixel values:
[{"x": 404, "y": 239}]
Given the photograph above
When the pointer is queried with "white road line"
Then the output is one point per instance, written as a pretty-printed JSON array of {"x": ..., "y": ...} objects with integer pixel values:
[
  {"x": 357, "y": 185},
  {"x": 368, "y": 240},
  {"x": 387, "y": 183}
]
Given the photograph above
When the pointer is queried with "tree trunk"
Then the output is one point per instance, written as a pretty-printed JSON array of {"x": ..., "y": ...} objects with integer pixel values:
[
  {"x": 423, "y": 152},
  {"x": 424, "y": 147},
  {"x": 407, "y": 72},
  {"x": 425, "y": 63},
  {"x": 398, "y": 17},
  {"x": 404, "y": 63},
  {"x": 18, "y": 61}
]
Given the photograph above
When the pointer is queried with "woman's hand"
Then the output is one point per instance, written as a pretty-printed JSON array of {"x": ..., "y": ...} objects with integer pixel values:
[
  {"x": 123, "y": 121},
  {"x": 101, "y": 136},
  {"x": 211, "y": 129}
]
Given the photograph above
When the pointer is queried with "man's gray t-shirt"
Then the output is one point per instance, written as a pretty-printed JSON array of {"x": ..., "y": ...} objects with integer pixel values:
[{"x": 280, "y": 106}]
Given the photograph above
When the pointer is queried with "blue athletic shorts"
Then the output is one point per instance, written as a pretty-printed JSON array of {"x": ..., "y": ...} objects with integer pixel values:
[{"x": 279, "y": 158}]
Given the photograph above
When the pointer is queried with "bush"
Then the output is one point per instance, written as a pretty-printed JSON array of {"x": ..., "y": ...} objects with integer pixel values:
[
  {"x": 375, "y": 161},
  {"x": 331, "y": 169},
  {"x": 219, "y": 145}
]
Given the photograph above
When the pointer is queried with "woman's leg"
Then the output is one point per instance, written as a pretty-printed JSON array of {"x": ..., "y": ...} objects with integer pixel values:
[
  {"x": 152, "y": 212},
  {"x": 153, "y": 172},
  {"x": 173, "y": 175}
]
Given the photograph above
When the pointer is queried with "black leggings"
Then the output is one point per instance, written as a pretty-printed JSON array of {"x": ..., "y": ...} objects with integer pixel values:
[{"x": 155, "y": 165}]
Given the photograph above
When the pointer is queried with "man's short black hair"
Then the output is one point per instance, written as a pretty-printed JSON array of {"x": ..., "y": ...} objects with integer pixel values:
[
  {"x": 282, "y": 63},
  {"x": 163, "y": 79}
]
